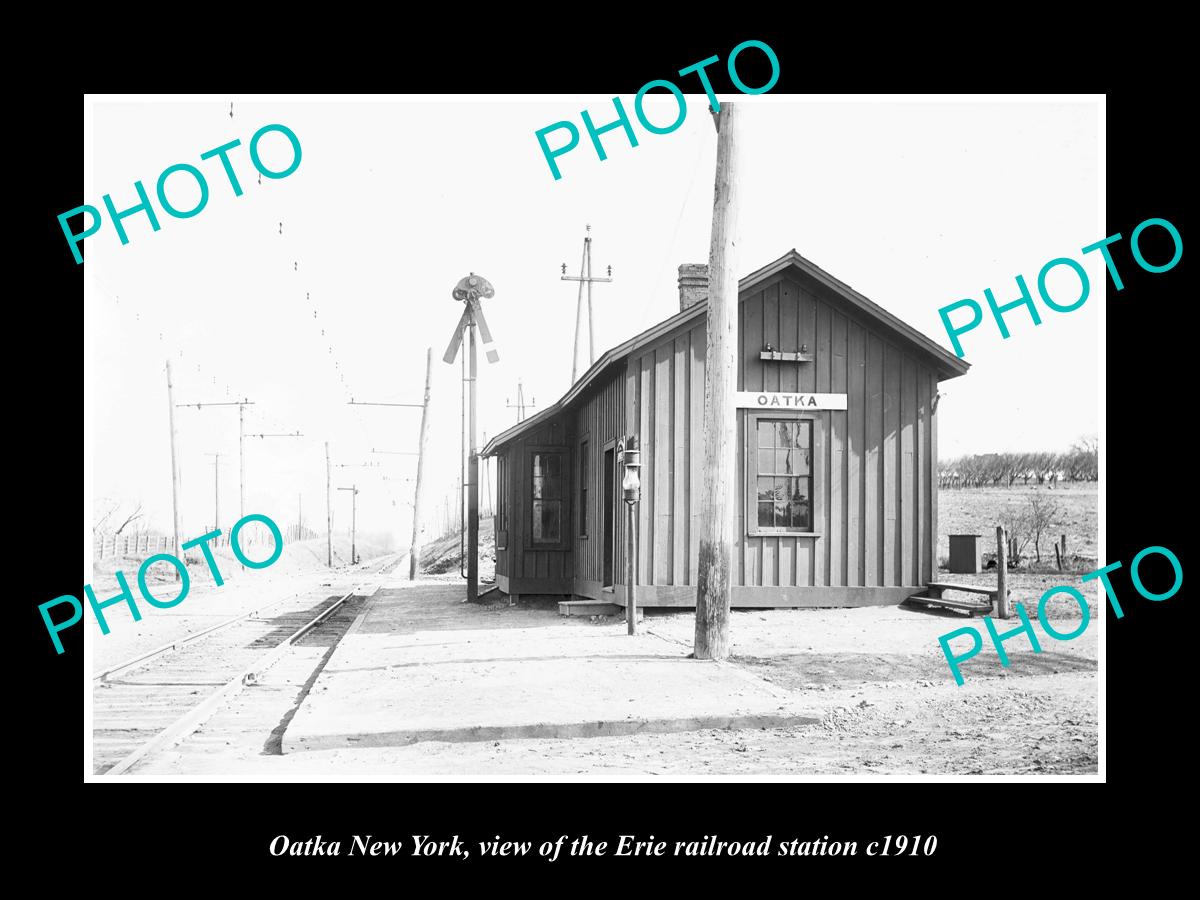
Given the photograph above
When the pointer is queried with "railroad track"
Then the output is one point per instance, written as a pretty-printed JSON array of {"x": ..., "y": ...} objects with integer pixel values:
[{"x": 151, "y": 701}]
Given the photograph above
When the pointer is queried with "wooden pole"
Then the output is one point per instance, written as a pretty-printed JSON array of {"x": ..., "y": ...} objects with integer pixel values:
[
  {"x": 579, "y": 315},
  {"x": 353, "y": 524},
  {"x": 328, "y": 508},
  {"x": 587, "y": 242},
  {"x": 241, "y": 461},
  {"x": 630, "y": 551},
  {"x": 174, "y": 467},
  {"x": 1002, "y": 610},
  {"x": 472, "y": 478},
  {"x": 717, "y": 513},
  {"x": 414, "y": 550},
  {"x": 216, "y": 490},
  {"x": 242, "y": 464}
]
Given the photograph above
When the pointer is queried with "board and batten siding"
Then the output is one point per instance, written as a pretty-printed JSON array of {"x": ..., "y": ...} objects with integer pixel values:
[
  {"x": 874, "y": 483},
  {"x": 519, "y": 568},
  {"x": 600, "y": 421}
]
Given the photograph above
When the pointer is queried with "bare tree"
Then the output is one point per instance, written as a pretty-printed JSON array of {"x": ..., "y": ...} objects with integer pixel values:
[
  {"x": 1082, "y": 461},
  {"x": 1017, "y": 464},
  {"x": 110, "y": 511},
  {"x": 104, "y": 510},
  {"x": 945, "y": 470},
  {"x": 1041, "y": 516},
  {"x": 1016, "y": 526}
]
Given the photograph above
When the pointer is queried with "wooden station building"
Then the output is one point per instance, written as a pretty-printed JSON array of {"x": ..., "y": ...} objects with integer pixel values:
[{"x": 837, "y": 455}]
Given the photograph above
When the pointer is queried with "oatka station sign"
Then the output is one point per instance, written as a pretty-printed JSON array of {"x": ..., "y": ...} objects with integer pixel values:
[{"x": 777, "y": 400}]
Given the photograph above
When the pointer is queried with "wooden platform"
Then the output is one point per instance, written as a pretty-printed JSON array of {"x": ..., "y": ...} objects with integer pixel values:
[
  {"x": 933, "y": 597},
  {"x": 588, "y": 608}
]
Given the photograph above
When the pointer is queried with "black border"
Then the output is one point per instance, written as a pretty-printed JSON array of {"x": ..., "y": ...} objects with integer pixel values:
[{"x": 983, "y": 833}]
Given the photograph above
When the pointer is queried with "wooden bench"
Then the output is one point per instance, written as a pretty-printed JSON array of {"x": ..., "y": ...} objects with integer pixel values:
[{"x": 933, "y": 597}]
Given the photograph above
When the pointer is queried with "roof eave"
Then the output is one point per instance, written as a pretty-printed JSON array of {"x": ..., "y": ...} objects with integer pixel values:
[{"x": 947, "y": 364}]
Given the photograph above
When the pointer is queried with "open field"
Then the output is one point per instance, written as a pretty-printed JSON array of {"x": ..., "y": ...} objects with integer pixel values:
[{"x": 979, "y": 510}]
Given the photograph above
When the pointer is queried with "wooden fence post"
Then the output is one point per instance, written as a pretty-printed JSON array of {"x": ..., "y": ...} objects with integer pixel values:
[{"x": 1002, "y": 610}]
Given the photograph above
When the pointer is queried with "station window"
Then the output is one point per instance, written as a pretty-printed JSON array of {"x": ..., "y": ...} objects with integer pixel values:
[
  {"x": 583, "y": 488},
  {"x": 781, "y": 484},
  {"x": 547, "y": 497},
  {"x": 501, "y": 524}
]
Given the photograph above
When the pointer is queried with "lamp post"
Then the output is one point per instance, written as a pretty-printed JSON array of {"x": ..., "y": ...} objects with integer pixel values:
[{"x": 631, "y": 487}]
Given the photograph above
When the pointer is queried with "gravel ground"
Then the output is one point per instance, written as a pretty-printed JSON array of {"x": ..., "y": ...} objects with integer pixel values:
[{"x": 875, "y": 677}]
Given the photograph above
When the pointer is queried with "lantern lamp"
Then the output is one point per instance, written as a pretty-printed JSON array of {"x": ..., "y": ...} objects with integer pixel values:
[{"x": 631, "y": 459}]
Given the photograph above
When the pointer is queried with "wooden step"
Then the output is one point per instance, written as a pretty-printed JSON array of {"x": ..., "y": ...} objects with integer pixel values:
[
  {"x": 588, "y": 608},
  {"x": 967, "y": 606},
  {"x": 938, "y": 586}
]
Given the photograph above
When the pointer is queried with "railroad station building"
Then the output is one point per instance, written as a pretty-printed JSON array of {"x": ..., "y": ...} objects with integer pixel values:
[{"x": 836, "y": 455}]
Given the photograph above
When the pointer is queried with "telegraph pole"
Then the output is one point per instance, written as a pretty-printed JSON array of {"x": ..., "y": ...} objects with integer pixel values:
[
  {"x": 414, "y": 550},
  {"x": 174, "y": 466},
  {"x": 585, "y": 277},
  {"x": 241, "y": 461},
  {"x": 242, "y": 455},
  {"x": 415, "y": 544},
  {"x": 353, "y": 489},
  {"x": 216, "y": 458},
  {"x": 720, "y": 413},
  {"x": 328, "y": 507},
  {"x": 241, "y": 405},
  {"x": 520, "y": 405}
]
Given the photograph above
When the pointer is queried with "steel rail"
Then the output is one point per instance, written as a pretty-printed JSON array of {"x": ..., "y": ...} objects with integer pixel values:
[
  {"x": 180, "y": 642},
  {"x": 193, "y": 718}
]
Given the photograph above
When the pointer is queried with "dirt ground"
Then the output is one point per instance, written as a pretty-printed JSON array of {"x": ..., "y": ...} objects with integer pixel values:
[
  {"x": 875, "y": 679},
  {"x": 890, "y": 709},
  {"x": 1001, "y": 727}
]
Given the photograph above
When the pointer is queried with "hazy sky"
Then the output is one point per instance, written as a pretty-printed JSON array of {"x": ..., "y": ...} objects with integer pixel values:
[{"x": 914, "y": 204}]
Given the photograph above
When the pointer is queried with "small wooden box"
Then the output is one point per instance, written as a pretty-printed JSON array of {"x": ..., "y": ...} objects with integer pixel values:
[{"x": 964, "y": 553}]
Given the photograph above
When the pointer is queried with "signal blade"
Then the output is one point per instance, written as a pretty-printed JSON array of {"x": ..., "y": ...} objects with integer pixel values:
[
  {"x": 456, "y": 341},
  {"x": 486, "y": 334}
]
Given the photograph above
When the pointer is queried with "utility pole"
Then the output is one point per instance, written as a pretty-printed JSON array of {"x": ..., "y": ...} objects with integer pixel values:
[
  {"x": 241, "y": 461},
  {"x": 585, "y": 277},
  {"x": 242, "y": 456},
  {"x": 241, "y": 405},
  {"x": 414, "y": 550},
  {"x": 715, "y": 556},
  {"x": 520, "y": 405},
  {"x": 174, "y": 466},
  {"x": 216, "y": 458},
  {"x": 328, "y": 507},
  {"x": 353, "y": 489},
  {"x": 415, "y": 544}
]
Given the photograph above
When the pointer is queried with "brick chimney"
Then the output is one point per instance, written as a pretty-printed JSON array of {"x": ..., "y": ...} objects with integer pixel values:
[{"x": 693, "y": 284}]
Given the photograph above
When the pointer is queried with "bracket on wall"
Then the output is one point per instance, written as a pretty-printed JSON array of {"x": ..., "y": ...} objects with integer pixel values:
[{"x": 770, "y": 353}]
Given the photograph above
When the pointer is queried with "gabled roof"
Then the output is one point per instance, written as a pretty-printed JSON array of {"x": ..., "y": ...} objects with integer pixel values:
[{"x": 946, "y": 363}]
